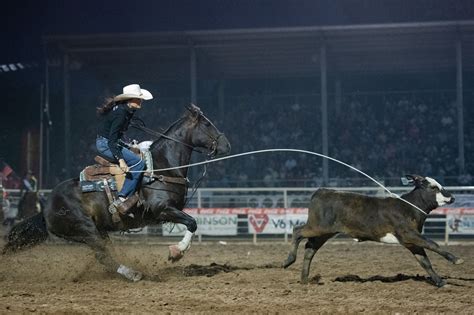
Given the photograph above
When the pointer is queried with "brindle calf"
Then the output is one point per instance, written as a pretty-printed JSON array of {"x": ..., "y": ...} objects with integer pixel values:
[{"x": 366, "y": 218}]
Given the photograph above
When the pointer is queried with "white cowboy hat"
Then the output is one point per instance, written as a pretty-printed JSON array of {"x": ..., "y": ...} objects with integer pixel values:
[{"x": 133, "y": 91}]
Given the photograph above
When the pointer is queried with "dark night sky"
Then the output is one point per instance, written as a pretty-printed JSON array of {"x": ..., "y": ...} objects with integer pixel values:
[{"x": 23, "y": 22}]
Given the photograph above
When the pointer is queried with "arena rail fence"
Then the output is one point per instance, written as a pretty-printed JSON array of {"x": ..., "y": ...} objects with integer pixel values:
[{"x": 256, "y": 214}]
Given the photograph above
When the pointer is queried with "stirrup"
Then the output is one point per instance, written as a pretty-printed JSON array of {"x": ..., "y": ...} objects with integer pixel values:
[{"x": 123, "y": 206}]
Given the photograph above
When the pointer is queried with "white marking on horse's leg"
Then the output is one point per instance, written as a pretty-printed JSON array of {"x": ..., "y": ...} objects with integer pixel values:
[
  {"x": 186, "y": 241},
  {"x": 129, "y": 273},
  {"x": 389, "y": 238}
]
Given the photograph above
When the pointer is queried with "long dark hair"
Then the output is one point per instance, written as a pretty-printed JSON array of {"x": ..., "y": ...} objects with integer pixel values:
[{"x": 106, "y": 107}]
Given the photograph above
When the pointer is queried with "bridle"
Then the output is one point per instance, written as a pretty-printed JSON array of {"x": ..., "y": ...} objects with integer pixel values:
[{"x": 214, "y": 139}]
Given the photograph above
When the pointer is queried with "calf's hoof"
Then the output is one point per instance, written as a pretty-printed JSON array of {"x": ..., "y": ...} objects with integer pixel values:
[
  {"x": 304, "y": 281},
  {"x": 289, "y": 261},
  {"x": 437, "y": 281},
  {"x": 175, "y": 253}
]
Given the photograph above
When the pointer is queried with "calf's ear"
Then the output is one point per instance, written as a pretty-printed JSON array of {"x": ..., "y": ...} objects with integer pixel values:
[
  {"x": 414, "y": 179},
  {"x": 407, "y": 180}
]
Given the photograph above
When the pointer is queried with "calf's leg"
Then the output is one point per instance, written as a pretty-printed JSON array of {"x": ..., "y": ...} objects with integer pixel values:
[
  {"x": 311, "y": 247},
  {"x": 416, "y": 239},
  {"x": 297, "y": 238},
  {"x": 424, "y": 261}
]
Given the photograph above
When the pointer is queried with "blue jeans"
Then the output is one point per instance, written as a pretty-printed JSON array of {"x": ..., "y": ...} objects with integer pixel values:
[{"x": 133, "y": 161}]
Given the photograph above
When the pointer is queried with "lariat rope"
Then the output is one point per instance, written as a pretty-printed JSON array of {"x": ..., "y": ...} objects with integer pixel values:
[{"x": 286, "y": 150}]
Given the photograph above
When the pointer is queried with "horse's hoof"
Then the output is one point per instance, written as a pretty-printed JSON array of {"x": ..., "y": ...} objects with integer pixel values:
[
  {"x": 137, "y": 276},
  {"x": 175, "y": 253},
  {"x": 458, "y": 261},
  {"x": 129, "y": 273}
]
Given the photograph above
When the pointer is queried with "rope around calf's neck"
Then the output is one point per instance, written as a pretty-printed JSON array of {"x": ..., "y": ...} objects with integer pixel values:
[{"x": 286, "y": 150}]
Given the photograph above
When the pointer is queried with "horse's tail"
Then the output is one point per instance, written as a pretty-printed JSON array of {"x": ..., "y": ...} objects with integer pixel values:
[{"x": 27, "y": 233}]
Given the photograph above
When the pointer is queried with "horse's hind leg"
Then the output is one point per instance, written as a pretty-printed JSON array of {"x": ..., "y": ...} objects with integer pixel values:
[
  {"x": 176, "y": 252},
  {"x": 102, "y": 254},
  {"x": 68, "y": 216},
  {"x": 78, "y": 227}
]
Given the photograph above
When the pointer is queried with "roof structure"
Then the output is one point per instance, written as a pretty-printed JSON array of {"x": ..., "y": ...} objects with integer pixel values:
[{"x": 278, "y": 52}]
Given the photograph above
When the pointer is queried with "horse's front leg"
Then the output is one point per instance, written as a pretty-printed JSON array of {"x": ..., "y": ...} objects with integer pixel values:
[{"x": 176, "y": 252}]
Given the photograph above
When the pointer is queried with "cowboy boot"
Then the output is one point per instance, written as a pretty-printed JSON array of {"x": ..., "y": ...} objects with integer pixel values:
[{"x": 123, "y": 206}]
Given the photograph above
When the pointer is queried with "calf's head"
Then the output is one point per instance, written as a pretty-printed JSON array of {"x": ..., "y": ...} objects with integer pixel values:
[{"x": 431, "y": 191}]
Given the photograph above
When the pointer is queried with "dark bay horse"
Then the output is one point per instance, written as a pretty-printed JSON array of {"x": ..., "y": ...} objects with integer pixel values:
[{"x": 84, "y": 217}]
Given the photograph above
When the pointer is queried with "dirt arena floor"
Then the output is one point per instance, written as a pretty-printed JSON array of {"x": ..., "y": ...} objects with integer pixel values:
[{"x": 346, "y": 277}]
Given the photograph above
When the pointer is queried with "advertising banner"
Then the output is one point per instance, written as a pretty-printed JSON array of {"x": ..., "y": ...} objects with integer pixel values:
[
  {"x": 224, "y": 221},
  {"x": 274, "y": 224},
  {"x": 460, "y": 224},
  {"x": 464, "y": 204},
  {"x": 213, "y": 224}
]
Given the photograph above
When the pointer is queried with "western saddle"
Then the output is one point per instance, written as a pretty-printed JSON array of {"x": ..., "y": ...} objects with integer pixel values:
[{"x": 107, "y": 176}]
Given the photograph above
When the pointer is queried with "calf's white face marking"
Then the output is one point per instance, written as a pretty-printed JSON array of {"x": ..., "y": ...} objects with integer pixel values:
[
  {"x": 389, "y": 238},
  {"x": 440, "y": 199}
]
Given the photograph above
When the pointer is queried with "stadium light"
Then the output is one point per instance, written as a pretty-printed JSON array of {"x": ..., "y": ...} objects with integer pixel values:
[{"x": 17, "y": 66}]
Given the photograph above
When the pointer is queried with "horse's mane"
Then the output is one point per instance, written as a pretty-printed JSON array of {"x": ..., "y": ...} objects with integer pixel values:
[{"x": 189, "y": 111}]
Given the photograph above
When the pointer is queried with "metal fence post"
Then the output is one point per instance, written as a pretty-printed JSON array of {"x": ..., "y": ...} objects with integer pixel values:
[
  {"x": 446, "y": 232},
  {"x": 285, "y": 204},
  {"x": 199, "y": 207}
]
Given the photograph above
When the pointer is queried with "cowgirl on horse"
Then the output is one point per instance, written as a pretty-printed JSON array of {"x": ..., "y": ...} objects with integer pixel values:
[{"x": 114, "y": 117}]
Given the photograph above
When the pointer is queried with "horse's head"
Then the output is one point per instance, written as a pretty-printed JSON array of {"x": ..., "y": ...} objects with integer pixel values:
[{"x": 205, "y": 135}]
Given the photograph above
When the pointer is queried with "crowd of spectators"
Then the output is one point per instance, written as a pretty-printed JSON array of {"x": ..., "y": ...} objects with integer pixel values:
[
  {"x": 392, "y": 135},
  {"x": 385, "y": 135}
]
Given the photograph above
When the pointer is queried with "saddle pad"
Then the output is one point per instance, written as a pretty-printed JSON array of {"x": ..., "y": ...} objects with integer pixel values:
[
  {"x": 91, "y": 178},
  {"x": 98, "y": 185}
]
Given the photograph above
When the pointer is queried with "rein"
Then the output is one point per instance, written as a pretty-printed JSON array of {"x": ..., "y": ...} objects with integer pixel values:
[
  {"x": 180, "y": 180},
  {"x": 212, "y": 149},
  {"x": 162, "y": 135}
]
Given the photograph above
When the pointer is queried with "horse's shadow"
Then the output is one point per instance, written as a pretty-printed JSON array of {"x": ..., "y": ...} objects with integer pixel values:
[
  {"x": 397, "y": 278},
  {"x": 192, "y": 270},
  {"x": 210, "y": 270},
  {"x": 176, "y": 271}
]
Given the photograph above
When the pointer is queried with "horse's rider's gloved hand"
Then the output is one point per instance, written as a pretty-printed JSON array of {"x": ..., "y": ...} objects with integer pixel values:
[{"x": 123, "y": 165}]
